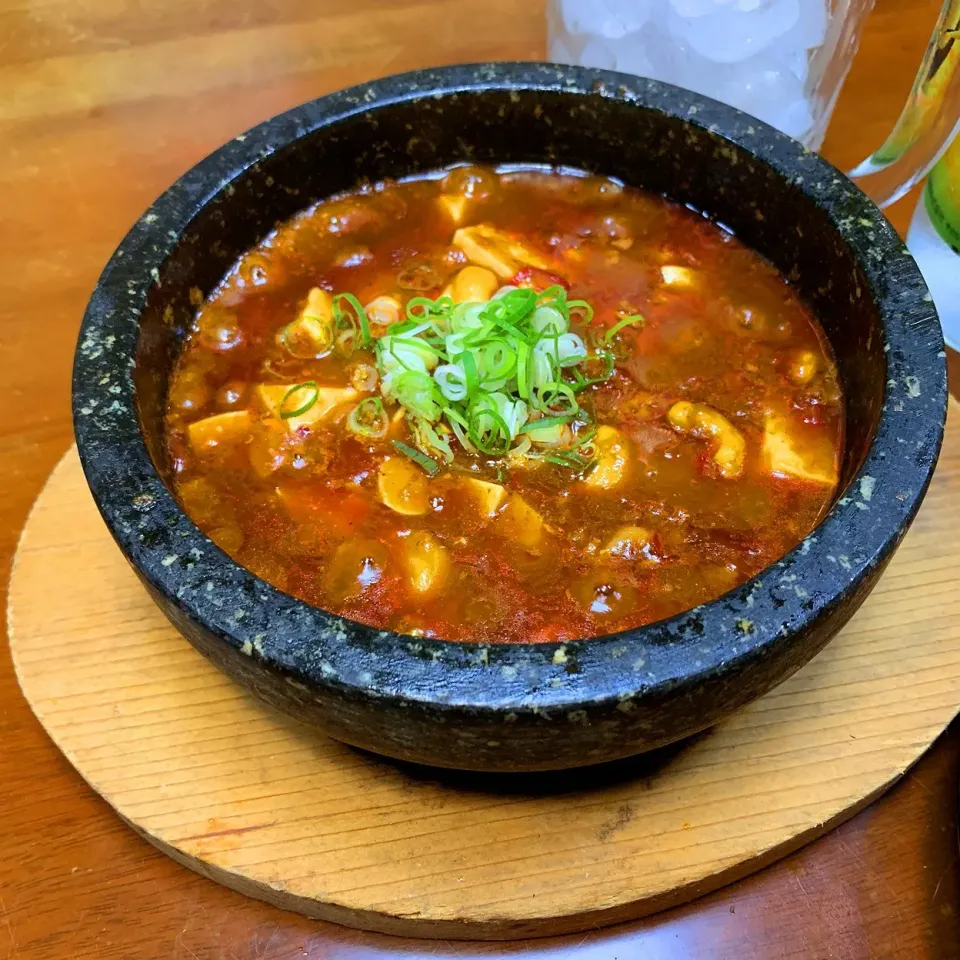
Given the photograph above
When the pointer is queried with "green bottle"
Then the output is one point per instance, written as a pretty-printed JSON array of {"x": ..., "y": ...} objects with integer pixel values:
[
  {"x": 934, "y": 240},
  {"x": 942, "y": 196}
]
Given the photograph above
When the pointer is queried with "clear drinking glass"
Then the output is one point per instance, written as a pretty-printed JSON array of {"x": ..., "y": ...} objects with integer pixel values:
[{"x": 783, "y": 61}]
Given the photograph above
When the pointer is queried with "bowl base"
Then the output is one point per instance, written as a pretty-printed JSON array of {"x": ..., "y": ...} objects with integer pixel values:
[{"x": 257, "y": 802}]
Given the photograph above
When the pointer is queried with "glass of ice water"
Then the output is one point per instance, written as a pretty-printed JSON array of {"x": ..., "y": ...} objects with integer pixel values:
[{"x": 783, "y": 61}]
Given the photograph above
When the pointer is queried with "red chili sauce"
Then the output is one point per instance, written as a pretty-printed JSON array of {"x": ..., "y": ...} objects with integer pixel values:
[{"x": 707, "y": 448}]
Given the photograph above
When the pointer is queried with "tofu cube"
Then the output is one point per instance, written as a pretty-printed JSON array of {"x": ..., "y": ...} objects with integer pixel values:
[
  {"x": 453, "y": 206},
  {"x": 784, "y": 456},
  {"x": 218, "y": 431},
  {"x": 490, "y": 496},
  {"x": 269, "y": 397},
  {"x": 520, "y": 522},
  {"x": 488, "y": 247}
]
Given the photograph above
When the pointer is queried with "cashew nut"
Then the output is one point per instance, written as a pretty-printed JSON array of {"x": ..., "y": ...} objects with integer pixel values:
[
  {"x": 612, "y": 452},
  {"x": 703, "y": 421},
  {"x": 472, "y": 284}
]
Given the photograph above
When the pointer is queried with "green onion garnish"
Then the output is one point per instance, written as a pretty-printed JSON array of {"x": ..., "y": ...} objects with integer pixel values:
[
  {"x": 487, "y": 425},
  {"x": 545, "y": 422},
  {"x": 523, "y": 370},
  {"x": 421, "y": 459},
  {"x": 581, "y": 382},
  {"x": 430, "y": 438},
  {"x": 436, "y": 312},
  {"x": 351, "y": 325},
  {"x": 470, "y": 372},
  {"x": 291, "y": 407},
  {"x": 419, "y": 393},
  {"x": 625, "y": 322},
  {"x": 585, "y": 437},
  {"x": 568, "y": 458},
  {"x": 498, "y": 377},
  {"x": 294, "y": 332},
  {"x": 369, "y": 419},
  {"x": 555, "y": 297},
  {"x": 583, "y": 310}
]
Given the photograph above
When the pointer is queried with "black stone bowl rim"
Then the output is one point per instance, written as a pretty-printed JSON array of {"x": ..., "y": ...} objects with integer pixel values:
[{"x": 323, "y": 651}]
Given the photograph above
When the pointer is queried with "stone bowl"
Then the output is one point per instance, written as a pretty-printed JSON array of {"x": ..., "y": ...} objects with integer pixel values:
[{"x": 529, "y": 706}]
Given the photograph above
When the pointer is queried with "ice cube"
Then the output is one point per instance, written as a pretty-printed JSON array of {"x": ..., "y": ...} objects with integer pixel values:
[
  {"x": 599, "y": 53},
  {"x": 589, "y": 16},
  {"x": 666, "y": 58},
  {"x": 812, "y": 25},
  {"x": 789, "y": 50},
  {"x": 626, "y": 54},
  {"x": 795, "y": 120},
  {"x": 605, "y": 18},
  {"x": 764, "y": 88},
  {"x": 631, "y": 14},
  {"x": 562, "y": 47},
  {"x": 695, "y": 8},
  {"x": 700, "y": 8},
  {"x": 676, "y": 63},
  {"x": 558, "y": 51},
  {"x": 799, "y": 64},
  {"x": 730, "y": 34},
  {"x": 631, "y": 56}
]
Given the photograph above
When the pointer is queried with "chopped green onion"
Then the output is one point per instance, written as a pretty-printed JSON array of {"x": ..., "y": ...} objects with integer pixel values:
[
  {"x": 577, "y": 465},
  {"x": 485, "y": 436},
  {"x": 581, "y": 382},
  {"x": 452, "y": 381},
  {"x": 620, "y": 325},
  {"x": 544, "y": 422},
  {"x": 505, "y": 324},
  {"x": 469, "y": 365},
  {"x": 585, "y": 437},
  {"x": 512, "y": 306},
  {"x": 419, "y": 393},
  {"x": 522, "y": 448},
  {"x": 555, "y": 297},
  {"x": 498, "y": 361},
  {"x": 567, "y": 458},
  {"x": 315, "y": 350},
  {"x": 435, "y": 312},
  {"x": 430, "y": 466},
  {"x": 582, "y": 309},
  {"x": 428, "y": 437},
  {"x": 523, "y": 370},
  {"x": 459, "y": 426},
  {"x": 287, "y": 408},
  {"x": 508, "y": 310},
  {"x": 558, "y": 394},
  {"x": 476, "y": 372},
  {"x": 355, "y": 319},
  {"x": 548, "y": 320},
  {"x": 369, "y": 419}
]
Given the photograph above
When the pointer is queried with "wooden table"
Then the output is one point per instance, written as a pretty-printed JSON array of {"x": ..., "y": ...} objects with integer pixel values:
[{"x": 102, "y": 104}]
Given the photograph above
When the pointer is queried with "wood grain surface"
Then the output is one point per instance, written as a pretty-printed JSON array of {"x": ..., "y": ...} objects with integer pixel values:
[
  {"x": 270, "y": 808},
  {"x": 103, "y": 103}
]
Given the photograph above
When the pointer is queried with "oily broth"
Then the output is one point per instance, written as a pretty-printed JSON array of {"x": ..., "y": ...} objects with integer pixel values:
[{"x": 301, "y": 509}]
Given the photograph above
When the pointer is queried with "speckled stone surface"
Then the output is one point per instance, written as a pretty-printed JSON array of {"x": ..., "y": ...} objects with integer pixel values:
[{"x": 536, "y": 706}]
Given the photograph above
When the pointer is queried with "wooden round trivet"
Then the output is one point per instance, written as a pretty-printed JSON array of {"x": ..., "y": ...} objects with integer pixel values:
[{"x": 259, "y": 803}]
